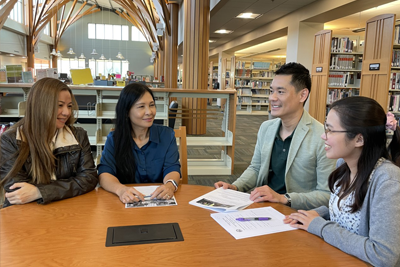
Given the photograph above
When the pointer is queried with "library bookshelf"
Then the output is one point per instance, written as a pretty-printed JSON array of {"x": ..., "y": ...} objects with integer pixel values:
[
  {"x": 394, "y": 83},
  {"x": 336, "y": 70},
  {"x": 252, "y": 80}
]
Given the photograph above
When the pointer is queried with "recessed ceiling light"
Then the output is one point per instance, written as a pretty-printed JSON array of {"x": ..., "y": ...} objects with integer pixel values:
[
  {"x": 223, "y": 31},
  {"x": 11, "y": 55},
  {"x": 211, "y": 41},
  {"x": 248, "y": 16}
]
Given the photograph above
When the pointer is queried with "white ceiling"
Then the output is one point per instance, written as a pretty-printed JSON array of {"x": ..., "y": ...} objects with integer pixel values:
[
  {"x": 342, "y": 26},
  {"x": 223, "y": 16}
]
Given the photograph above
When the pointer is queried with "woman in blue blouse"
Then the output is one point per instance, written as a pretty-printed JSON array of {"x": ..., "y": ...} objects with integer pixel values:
[{"x": 139, "y": 151}]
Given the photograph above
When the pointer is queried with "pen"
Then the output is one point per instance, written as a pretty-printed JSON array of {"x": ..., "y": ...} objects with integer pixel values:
[{"x": 253, "y": 219}]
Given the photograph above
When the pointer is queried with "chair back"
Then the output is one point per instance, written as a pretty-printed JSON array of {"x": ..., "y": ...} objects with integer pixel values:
[
  {"x": 173, "y": 109},
  {"x": 180, "y": 135}
]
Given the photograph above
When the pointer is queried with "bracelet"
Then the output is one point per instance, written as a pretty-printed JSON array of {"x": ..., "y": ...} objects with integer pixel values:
[{"x": 173, "y": 182}]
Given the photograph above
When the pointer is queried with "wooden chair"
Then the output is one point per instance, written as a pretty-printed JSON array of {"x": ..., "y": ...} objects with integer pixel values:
[{"x": 180, "y": 135}]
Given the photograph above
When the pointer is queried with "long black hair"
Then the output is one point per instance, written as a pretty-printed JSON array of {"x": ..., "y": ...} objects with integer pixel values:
[
  {"x": 124, "y": 144},
  {"x": 360, "y": 115}
]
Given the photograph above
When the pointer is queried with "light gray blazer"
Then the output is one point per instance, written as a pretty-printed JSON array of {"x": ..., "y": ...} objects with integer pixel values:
[{"x": 307, "y": 167}]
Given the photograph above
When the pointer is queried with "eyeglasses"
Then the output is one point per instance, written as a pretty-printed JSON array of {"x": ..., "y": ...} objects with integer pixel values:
[{"x": 327, "y": 130}]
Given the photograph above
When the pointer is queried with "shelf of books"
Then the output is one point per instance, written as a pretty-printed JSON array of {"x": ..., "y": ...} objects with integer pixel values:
[
  {"x": 336, "y": 70},
  {"x": 252, "y": 82},
  {"x": 344, "y": 76},
  {"x": 394, "y": 84}
]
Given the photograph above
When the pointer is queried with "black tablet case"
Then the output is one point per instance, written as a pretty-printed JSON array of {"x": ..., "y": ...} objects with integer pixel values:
[{"x": 143, "y": 234}]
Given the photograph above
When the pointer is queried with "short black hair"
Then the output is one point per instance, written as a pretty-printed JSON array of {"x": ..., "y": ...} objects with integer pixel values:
[{"x": 300, "y": 75}]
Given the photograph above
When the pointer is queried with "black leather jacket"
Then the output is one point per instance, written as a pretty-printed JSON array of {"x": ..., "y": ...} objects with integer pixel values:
[{"x": 75, "y": 170}]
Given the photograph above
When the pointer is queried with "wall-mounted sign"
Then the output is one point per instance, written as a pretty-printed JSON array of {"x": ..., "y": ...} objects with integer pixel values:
[{"x": 374, "y": 66}]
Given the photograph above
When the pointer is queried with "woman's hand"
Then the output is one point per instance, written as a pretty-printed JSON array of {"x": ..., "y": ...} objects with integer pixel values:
[
  {"x": 165, "y": 191},
  {"x": 23, "y": 194},
  {"x": 301, "y": 219},
  {"x": 129, "y": 194},
  {"x": 287, "y": 220}
]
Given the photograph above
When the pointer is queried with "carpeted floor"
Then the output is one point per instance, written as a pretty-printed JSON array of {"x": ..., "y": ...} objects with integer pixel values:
[{"x": 246, "y": 135}]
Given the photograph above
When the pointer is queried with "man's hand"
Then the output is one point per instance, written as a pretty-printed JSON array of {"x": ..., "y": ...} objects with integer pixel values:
[
  {"x": 225, "y": 185},
  {"x": 265, "y": 193}
]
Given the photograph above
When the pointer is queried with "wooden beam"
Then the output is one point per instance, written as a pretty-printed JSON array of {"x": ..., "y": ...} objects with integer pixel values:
[
  {"x": 65, "y": 25},
  {"x": 166, "y": 16},
  {"x": 5, "y": 11}
]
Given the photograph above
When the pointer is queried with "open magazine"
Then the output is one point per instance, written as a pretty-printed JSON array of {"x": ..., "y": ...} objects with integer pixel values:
[{"x": 223, "y": 200}]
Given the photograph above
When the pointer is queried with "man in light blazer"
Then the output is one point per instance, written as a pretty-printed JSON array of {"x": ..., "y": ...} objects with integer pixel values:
[{"x": 289, "y": 164}]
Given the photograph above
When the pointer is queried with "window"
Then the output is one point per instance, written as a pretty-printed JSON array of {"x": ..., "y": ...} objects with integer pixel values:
[
  {"x": 92, "y": 31},
  {"x": 66, "y": 64},
  {"x": 116, "y": 32},
  {"x": 117, "y": 66},
  {"x": 125, "y": 33},
  {"x": 99, "y": 31},
  {"x": 92, "y": 66},
  {"x": 125, "y": 68},
  {"x": 16, "y": 12},
  {"x": 41, "y": 64},
  {"x": 137, "y": 35},
  {"x": 108, "y": 32},
  {"x": 109, "y": 67},
  {"x": 81, "y": 63},
  {"x": 101, "y": 67},
  {"x": 46, "y": 29},
  {"x": 73, "y": 63}
]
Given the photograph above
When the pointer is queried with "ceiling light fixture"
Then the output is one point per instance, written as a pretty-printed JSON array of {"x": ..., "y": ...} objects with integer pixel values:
[
  {"x": 211, "y": 41},
  {"x": 223, "y": 31},
  {"x": 71, "y": 51},
  {"x": 248, "y": 16}
]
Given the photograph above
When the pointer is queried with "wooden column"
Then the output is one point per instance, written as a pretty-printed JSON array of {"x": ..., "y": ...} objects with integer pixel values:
[
  {"x": 159, "y": 65},
  {"x": 53, "y": 30},
  {"x": 30, "y": 53},
  {"x": 195, "y": 58},
  {"x": 171, "y": 50},
  {"x": 378, "y": 47},
  {"x": 319, "y": 74}
]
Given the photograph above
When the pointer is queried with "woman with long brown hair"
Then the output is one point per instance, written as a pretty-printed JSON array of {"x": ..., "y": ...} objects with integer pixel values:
[{"x": 43, "y": 157}]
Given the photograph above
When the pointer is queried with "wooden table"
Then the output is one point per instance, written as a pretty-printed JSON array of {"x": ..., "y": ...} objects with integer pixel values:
[{"x": 72, "y": 232}]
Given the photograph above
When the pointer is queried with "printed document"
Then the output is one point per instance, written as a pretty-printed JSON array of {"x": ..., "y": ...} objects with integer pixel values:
[
  {"x": 223, "y": 200},
  {"x": 244, "y": 229},
  {"x": 147, "y": 191}
]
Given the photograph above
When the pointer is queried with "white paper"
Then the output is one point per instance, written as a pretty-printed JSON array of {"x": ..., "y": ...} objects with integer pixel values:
[
  {"x": 40, "y": 73},
  {"x": 247, "y": 229},
  {"x": 147, "y": 191},
  {"x": 223, "y": 200}
]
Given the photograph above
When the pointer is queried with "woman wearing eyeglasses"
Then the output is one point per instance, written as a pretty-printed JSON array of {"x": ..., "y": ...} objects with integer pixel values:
[{"x": 363, "y": 217}]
